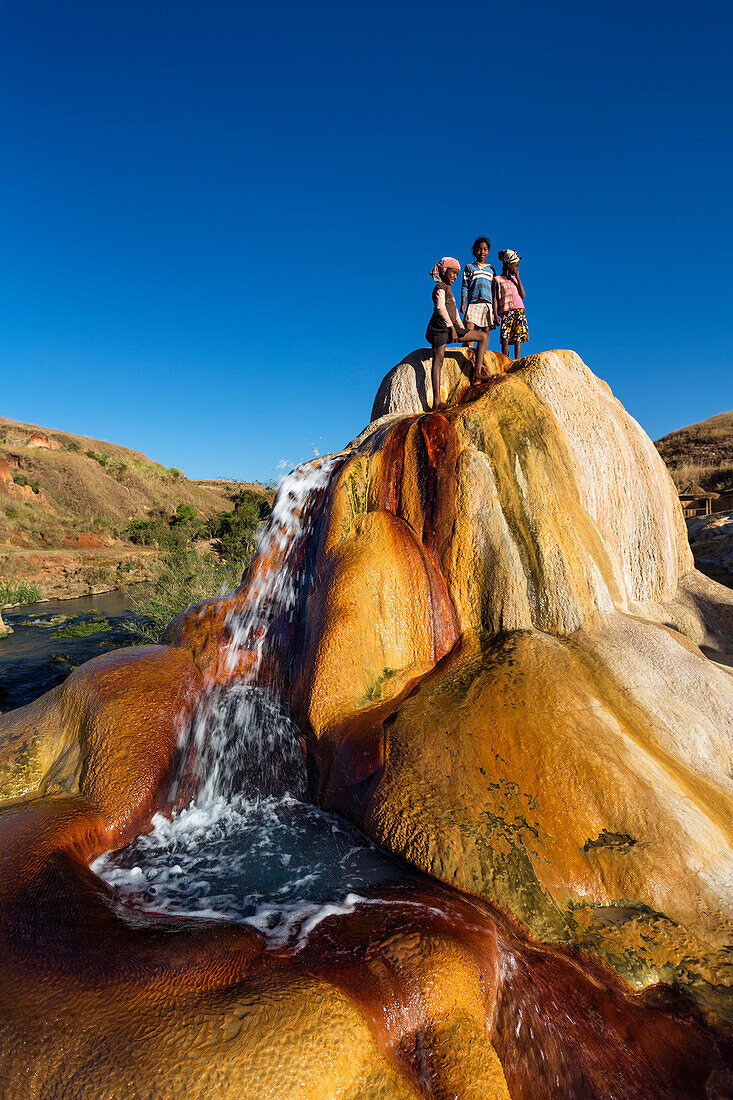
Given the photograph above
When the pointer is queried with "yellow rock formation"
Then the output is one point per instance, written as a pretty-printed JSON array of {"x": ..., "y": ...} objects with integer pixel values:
[
  {"x": 509, "y": 674},
  {"x": 571, "y": 758}
]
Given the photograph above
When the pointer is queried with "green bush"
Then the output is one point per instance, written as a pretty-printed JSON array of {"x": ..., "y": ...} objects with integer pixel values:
[
  {"x": 175, "y": 473},
  {"x": 72, "y": 445},
  {"x": 236, "y": 532},
  {"x": 148, "y": 532},
  {"x": 186, "y": 523},
  {"x": 102, "y": 459},
  {"x": 23, "y": 479},
  {"x": 20, "y": 593}
]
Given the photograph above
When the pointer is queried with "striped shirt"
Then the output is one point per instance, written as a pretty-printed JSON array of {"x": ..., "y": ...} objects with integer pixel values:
[
  {"x": 508, "y": 295},
  {"x": 476, "y": 285}
]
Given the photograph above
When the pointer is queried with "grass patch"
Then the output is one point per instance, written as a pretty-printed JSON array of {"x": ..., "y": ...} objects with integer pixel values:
[
  {"x": 82, "y": 630},
  {"x": 184, "y": 577},
  {"x": 20, "y": 593}
]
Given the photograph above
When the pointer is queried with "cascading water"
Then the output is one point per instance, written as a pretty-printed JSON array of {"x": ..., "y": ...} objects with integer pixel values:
[
  {"x": 247, "y": 847},
  {"x": 245, "y": 739}
]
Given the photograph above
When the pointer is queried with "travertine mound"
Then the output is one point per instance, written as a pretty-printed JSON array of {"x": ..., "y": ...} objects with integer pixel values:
[
  {"x": 508, "y": 673},
  {"x": 571, "y": 757}
]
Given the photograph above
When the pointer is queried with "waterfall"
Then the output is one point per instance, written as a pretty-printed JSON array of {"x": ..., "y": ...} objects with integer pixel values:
[{"x": 247, "y": 846}]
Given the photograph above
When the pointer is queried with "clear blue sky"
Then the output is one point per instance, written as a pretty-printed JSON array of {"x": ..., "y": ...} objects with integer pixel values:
[{"x": 218, "y": 217}]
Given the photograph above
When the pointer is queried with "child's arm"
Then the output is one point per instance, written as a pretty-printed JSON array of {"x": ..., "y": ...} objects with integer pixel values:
[
  {"x": 464, "y": 289},
  {"x": 520, "y": 288}
]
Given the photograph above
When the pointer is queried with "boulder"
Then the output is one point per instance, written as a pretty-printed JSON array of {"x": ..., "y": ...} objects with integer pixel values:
[
  {"x": 39, "y": 441},
  {"x": 408, "y": 387},
  {"x": 711, "y": 541}
]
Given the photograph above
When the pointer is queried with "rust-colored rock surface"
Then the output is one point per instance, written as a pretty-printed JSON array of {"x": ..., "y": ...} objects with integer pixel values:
[
  {"x": 507, "y": 673},
  {"x": 572, "y": 741}
]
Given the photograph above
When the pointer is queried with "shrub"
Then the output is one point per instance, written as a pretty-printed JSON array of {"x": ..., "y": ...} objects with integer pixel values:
[
  {"x": 147, "y": 532},
  {"x": 72, "y": 445},
  {"x": 175, "y": 473},
  {"x": 20, "y": 593},
  {"x": 236, "y": 532},
  {"x": 102, "y": 459},
  {"x": 184, "y": 513},
  {"x": 23, "y": 479}
]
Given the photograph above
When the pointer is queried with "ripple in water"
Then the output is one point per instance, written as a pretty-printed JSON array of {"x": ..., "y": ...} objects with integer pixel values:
[{"x": 275, "y": 863}]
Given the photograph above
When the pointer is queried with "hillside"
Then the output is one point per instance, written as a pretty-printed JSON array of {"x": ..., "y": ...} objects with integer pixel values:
[
  {"x": 701, "y": 453},
  {"x": 66, "y": 501}
]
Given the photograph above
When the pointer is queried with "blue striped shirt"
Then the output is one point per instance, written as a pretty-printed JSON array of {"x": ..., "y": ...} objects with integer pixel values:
[{"x": 476, "y": 285}]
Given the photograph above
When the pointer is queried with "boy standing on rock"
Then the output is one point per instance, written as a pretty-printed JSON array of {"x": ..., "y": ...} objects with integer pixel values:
[{"x": 508, "y": 295}]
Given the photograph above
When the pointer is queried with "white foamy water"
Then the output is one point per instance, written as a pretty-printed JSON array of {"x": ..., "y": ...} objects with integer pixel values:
[
  {"x": 277, "y": 864},
  {"x": 273, "y": 591},
  {"x": 251, "y": 730},
  {"x": 247, "y": 848}
]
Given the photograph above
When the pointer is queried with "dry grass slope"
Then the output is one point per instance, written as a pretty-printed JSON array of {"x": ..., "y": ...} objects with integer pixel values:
[
  {"x": 701, "y": 453},
  {"x": 65, "y": 501},
  {"x": 106, "y": 487}
]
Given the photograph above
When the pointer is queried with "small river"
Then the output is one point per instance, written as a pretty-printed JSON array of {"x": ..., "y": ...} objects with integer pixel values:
[{"x": 45, "y": 646}]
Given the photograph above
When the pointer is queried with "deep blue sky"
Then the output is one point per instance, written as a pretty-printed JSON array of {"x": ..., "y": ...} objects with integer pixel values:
[{"x": 218, "y": 217}]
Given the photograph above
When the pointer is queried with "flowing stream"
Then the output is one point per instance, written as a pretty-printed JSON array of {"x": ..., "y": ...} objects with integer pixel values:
[{"x": 248, "y": 847}]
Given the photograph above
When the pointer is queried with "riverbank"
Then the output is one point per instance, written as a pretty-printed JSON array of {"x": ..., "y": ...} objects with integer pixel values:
[
  {"x": 51, "y": 638},
  {"x": 67, "y": 574}
]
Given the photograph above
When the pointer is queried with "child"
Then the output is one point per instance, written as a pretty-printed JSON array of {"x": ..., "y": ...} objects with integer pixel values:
[
  {"x": 445, "y": 328},
  {"x": 509, "y": 303},
  {"x": 477, "y": 301}
]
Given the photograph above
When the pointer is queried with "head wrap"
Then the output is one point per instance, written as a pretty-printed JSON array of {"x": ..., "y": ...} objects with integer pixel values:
[
  {"x": 509, "y": 256},
  {"x": 443, "y": 265}
]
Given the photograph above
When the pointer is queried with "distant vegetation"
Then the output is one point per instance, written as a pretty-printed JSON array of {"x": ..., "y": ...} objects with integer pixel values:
[
  {"x": 19, "y": 593},
  {"x": 701, "y": 453},
  {"x": 188, "y": 571}
]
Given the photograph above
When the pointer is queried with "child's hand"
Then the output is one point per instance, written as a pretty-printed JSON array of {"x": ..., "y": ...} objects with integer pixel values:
[{"x": 454, "y": 338}]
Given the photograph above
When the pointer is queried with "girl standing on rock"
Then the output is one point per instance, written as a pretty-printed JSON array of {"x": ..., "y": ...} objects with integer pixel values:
[
  {"x": 477, "y": 300},
  {"x": 509, "y": 303},
  {"x": 444, "y": 327}
]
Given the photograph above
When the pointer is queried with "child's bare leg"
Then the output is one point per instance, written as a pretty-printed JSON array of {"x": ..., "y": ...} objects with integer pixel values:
[
  {"x": 518, "y": 350},
  {"x": 438, "y": 356},
  {"x": 479, "y": 356},
  {"x": 481, "y": 338}
]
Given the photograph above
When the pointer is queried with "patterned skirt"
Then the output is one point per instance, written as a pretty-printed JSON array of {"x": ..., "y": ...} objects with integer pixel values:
[
  {"x": 514, "y": 328},
  {"x": 480, "y": 314}
]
